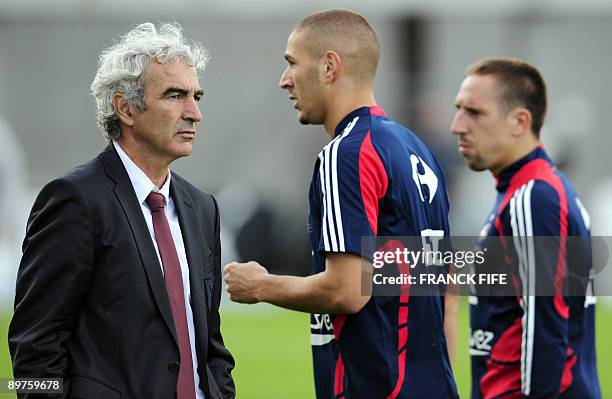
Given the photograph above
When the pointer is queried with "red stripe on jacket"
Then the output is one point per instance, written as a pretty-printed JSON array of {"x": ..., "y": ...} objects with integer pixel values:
[{"x": 373, "y": 180}]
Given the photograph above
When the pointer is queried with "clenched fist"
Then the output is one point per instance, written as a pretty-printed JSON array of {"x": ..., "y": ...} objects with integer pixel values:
[{"x": 243, "y": 281}]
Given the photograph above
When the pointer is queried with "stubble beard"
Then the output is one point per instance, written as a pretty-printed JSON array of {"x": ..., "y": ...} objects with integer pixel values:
[
  {"x": 315, "y": 116},
  {"x": 477, "y": 164}
]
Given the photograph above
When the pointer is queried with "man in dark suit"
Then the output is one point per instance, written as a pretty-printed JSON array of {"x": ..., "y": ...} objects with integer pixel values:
[{"x": 119, "y": 285}]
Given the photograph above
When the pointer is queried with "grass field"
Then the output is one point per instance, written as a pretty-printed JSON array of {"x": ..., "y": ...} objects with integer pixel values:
[
  {"x": 272, "y": 351},
  {"x": 273, "y": 359},
  {"x": 5, "y": 358}
]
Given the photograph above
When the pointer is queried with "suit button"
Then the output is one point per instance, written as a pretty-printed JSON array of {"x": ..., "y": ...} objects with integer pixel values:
[{"x": 173, "y": 367}]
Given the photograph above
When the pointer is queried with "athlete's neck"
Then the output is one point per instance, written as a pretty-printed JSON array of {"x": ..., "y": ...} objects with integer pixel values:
[
  {"x": 516, "y": 154},
  {"x": 345, "y": 103}
]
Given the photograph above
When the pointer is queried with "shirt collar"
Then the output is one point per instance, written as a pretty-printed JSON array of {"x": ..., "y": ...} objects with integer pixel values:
[
  {"x": 505, "y": 176},
  {"x": 372, "y": 110},
  {"x": 141, "y": 183}
]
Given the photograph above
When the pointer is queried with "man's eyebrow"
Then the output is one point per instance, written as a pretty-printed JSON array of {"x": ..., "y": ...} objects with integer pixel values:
[
  {"x": 475, "y": 110},
  {"x": 470, "y": 108},
  {"x": 182, "y": 92},
  {"x": 176, "y": 90}
]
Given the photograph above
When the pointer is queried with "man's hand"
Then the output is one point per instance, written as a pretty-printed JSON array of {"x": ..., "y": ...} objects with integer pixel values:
[
  {"x": 242, "y": 281},
  {"x": 336, "y": 290}
]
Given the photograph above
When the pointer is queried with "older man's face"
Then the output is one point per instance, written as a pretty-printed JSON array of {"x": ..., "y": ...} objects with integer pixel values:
[{"x": 166, "y": 129}]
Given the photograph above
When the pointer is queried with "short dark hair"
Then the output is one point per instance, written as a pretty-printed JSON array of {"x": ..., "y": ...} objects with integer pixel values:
[
  {"x": 521, "y": 84},
  {"x": 347, "y": 33}
]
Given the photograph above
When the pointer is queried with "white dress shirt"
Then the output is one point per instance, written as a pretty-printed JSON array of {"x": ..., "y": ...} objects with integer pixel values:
[{"x": 142, "y": 187}]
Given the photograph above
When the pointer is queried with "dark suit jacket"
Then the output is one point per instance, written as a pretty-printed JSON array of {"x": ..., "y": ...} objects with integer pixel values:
[{"x": 91, "y": 305}]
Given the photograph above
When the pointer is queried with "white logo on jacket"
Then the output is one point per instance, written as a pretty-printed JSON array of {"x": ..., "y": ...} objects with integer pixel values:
[{"x": 428, "y": 178}]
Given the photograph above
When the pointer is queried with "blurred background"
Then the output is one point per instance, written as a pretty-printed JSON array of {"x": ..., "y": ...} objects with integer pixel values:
[{"x": 253, "y": 154}]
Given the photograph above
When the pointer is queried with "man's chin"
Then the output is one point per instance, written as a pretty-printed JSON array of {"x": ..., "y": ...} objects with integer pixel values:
[
  {"x": 309, "y": 120},
  {"x": 303, "y": 119},
  {"x": 475, "y": 165},
  {"x": 183, "y": 149}
]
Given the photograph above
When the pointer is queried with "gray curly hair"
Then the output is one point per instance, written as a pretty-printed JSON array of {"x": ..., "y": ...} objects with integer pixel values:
[{"x": 122, "y": 67}]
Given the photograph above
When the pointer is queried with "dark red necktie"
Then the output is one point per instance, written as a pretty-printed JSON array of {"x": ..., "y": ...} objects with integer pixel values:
[{"x": 185, "y": 388}]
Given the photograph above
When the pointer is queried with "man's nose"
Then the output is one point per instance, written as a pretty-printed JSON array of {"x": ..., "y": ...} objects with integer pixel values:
[
  {"x": 457, "y": 126},
  {"x": 192, "y": 110},
  {"x": 285, "y": 80}
]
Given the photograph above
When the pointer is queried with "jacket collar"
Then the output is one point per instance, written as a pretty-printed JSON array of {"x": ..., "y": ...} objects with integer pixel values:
[{"x": 504, "y": 177}]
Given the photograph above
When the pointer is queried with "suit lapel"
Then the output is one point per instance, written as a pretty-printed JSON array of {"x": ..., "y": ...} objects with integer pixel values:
[
  {"x": 127, "y": 198},
  {"x": 195, "y": 244}
]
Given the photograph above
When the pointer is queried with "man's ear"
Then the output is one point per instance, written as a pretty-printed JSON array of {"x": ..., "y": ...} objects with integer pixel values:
[
  {"x": 124, "y": 110},
  {"x": 332, "y": 65},
  {"x": 521, "y": 119}
]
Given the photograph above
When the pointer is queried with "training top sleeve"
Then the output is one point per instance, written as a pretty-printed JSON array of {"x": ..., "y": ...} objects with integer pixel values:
[
  {"x": 353, "y": 181},
  {"x": 538, "y": 219}
]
